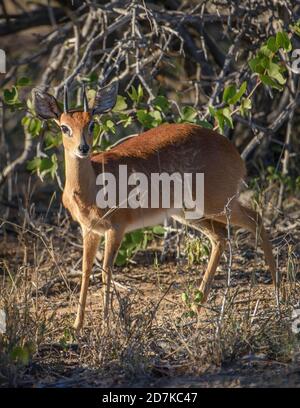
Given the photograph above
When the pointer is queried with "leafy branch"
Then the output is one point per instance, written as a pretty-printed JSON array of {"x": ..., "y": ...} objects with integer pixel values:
[{"x": 268, "y": 68}]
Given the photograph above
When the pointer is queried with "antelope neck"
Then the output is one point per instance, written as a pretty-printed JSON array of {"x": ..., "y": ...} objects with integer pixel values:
[{"x": 80, "y": 177}]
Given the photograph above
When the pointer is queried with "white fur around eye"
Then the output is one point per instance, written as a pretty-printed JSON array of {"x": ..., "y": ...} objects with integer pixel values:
[{"x": 66, "y": 130}]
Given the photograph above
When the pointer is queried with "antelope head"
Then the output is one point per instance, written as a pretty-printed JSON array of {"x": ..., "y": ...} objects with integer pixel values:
[{"x": 76, "y": 125}]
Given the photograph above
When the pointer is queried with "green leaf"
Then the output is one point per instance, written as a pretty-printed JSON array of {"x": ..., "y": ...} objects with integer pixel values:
[
  {"x": 11, "y": 97},
  {"x": 125, "y": 119},
  {"x": 110, "y": 124},
  {"x": 255, "y": 65},
  {"x": 189, "y": 114},
  {"x": 34, "y": 164},
  {"x": 137, "y": 237},
  {"x": 120, "y": 104},
  {"x": 227, "y": 117},
  {"x": 185, "y": 297},
  {"x": 30, "y": 106},
  {"x": 147, "y": 237},
  {"x": 25, "y": 120},
  {"x": 121, "y": 258},
  {"x": 271, "y": 44},
  {"x": 205, "y": 124},
  {"x": 54, "y": 167},
  {"x": 23, "y": 81},
  {"x": 198, "y": 297},
  {"x": 273, "y": 69},
  {"x": 270, "y": 82},
  {"x": 229, "y": 92},
  {"x": 136, "y": 95},
  {"x": 107, "y": 125},
  {"x": 157, "y": 118},
  {"x": 149, "y": 119},
  {"x": 34, "y": 126},
  {"x": 283, "y": 41},
  {"x": 161, "y": 103},
  {"x": 245, "y": 106},
  {"x": 140, "y": 93},
  {"x": 96, "y": 130},
  {"x": 274, "y": 72},
  {"x": 220, "y": 120},
  {"x": 144, "y": 118},
  {"x": 265, "y": 62},
  {"x": 223, "y": 117},
  {"x": 43, "y": 165},
  {"x": 279, "y": 78},
  {"x": 212, "y": 111},
  {"x": 52, "y": 140},
  {"x": 159, "y": 230},
  {"x": 295, "y": 28},
  {"x": 265, "y": 51},
  {"x": 239, "y": 94},
  {"x": 133, "y": 94}
]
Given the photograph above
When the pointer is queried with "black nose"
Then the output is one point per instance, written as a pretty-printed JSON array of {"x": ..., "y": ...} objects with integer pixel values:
[{"x": 84, "y": 148}]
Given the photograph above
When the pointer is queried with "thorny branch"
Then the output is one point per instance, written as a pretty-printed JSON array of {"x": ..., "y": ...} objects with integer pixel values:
[{"x": 190, "y": 50}]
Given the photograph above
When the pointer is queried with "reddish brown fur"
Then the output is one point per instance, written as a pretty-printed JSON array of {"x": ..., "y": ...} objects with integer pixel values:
[
  {"x": 76, "y": 119},
  {"x": 183, "y": 148},
  {"x": 157, "y": 139}
]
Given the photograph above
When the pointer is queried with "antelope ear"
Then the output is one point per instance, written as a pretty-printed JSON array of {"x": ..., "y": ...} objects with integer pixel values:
[
  {"x": 45, "y": 105},
  {"x": 106, "y": 98}
]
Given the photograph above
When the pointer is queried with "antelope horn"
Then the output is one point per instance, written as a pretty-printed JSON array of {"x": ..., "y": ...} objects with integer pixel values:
[
  {"x": 85, "y": 101},
  {"x": 66, "y": 107}
]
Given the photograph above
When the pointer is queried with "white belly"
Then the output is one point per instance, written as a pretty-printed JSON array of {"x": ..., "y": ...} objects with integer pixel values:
[{"x": 151, "y": 219}]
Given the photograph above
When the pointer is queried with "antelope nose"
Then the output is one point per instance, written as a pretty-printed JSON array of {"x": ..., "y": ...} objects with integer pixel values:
[{"x": 83, "y": 148}]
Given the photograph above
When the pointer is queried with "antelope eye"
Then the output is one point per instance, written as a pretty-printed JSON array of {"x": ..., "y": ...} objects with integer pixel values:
[
  {"x": 91, "y": 127},
  {"x": 65, "y": 130}
]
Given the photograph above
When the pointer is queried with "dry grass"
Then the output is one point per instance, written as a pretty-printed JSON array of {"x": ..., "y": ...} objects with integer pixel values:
[{"x": 153, "y": 339}]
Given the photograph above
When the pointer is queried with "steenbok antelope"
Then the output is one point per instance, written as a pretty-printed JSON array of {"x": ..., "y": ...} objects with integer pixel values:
[{"x": 180, "y": 148}]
